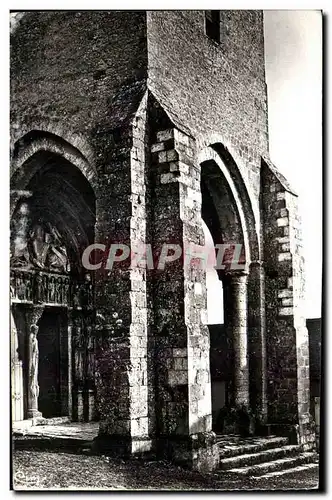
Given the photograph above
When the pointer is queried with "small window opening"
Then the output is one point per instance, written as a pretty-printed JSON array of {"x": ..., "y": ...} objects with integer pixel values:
[{"x": 212, "y": 24}]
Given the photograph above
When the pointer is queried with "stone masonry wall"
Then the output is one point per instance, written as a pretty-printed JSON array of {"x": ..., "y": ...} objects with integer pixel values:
[
  {"x": 121, "y": 298},
  {"x": 287, "y": 335},
  {"x": 183, "y": 388},
  {"x": 213, "y": 89},
  {"x": 74, "y": 73}
]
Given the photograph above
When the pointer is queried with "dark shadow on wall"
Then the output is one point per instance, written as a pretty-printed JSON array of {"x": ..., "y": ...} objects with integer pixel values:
[{"x": 221, "y": 360}]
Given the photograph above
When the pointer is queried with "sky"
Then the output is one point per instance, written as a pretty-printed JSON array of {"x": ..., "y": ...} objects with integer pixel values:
[{"x": 293, "y": 64}]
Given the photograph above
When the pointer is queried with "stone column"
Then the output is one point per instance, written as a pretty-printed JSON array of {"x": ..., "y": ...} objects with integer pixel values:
[
  {"x": 183, "y": 387},
  {"x": 33, "y": 316},
  {"x": 240, "y": 340},
  {"x": 122, "y": 383},
  {"x": 235, "y": 291},
  {"x": 257, "y": 341},
  {"x": 16, "y": 373},
  {"x": 70, "y": 364}
]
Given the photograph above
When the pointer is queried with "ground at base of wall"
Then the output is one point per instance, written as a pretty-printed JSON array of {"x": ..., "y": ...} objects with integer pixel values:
[{"x": 37, "y": 470}]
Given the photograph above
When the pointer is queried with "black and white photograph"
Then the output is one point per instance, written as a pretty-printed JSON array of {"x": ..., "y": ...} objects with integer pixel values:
[{"x": 166, "y": 250}]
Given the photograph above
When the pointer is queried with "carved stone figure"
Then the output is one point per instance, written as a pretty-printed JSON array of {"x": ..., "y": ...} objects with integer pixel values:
[
  {"x": 56, "y": 291},
  {"x": 79, "y": 336},
  {"x": 79, "y": 352},
  {"x": 39, "y": 246},
  {"x": 33, "y": 366},
  {"x": 52, "y": 289},
  {"x": 57, "y": 258},
  {"x": 21, "y": 258},
  {"x": 29, "y": 288},
  {"x": 90, "y": 353},
  {"x": 60, "y": 290},
  {"x": 19, "y": 253},
  {"x": 86, "y": 292},
  {"x": 40, "y": 292},
  {"x": 76, "y": 295},
  {"x": 66, "y": 291},
  {"x": 44, "y": 249}
]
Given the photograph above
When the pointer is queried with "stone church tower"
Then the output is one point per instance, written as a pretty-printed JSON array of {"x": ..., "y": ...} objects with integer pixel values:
[{"x": 131, "y": 128}]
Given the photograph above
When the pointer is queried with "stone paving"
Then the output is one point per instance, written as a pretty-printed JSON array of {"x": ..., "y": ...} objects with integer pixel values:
[
  {"x": 40, "y": 470},
  {"x": 266, "y": 457},
  {"x": 68, "y": 430}
]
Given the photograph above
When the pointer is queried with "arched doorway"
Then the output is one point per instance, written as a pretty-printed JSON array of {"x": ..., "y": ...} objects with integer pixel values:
[
  {"x": 218, "y": 340},
  {"x": 228, "y": 216},
  {"x": 53, "y": 220}
]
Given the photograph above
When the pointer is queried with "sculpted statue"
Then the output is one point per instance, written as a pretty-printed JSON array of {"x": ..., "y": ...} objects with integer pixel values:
[
  {"x": 90, "y": 353},
  {"x": 40, "y": 291},
  {"x": 29, "y": 289},
  {"x": 57, "y": 258},
  {"x": 85, "y": 290},
  {"x": 42, "y": 246},
  {"x": 66, "y": 291},
  {"x": 20, "y": 257},
  {"x": 79, "y": 337},
  {"x": 76, "y": 298},
  {"x": 47, "y": 250},
  {"x": 33, "y": 364},
  {"x": 39, "y": 246},
  {"x": 52, "y": 289},
  {"x": 19, "y": 253},
  {"x": 79, "y": 353}
]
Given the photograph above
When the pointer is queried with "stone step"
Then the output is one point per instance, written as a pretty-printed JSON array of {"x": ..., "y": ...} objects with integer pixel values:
[
  {"x": 259, "y": 457},
  {"x": 43, "y": 443},
  {"x": 51, "y": 421},
  {"x": 275, "y": 465},
  {"x": 296, "y": 470},
  {"x": 232, "y": 446}
]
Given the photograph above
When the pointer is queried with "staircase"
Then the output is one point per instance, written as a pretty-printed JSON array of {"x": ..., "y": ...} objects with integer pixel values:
[{"x": 263, "y": 457}]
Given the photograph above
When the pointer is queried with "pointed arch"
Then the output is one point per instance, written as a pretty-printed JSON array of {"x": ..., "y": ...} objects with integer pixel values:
[
  {"x": 229, "y": 204},
  {"x": 23, "y": 167}
]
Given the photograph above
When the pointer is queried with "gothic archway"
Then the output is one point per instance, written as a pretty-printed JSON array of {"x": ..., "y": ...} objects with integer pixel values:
[
  {"x": 238, "y": 345},
  {"x": 53, "y": 219}
]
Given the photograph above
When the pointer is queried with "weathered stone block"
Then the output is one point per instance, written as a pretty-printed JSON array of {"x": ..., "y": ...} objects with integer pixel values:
[
  {"x": 282, "y": 221},
  {"x": 177, "y": 377},
  {"x": 165, "y": 135},
  {"x": 284, "y": 256},
  {"x": 156, "y": 148}
]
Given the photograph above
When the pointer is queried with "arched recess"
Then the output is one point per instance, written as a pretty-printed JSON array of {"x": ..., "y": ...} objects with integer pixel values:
[
  {"x": 61, "y": 185},
  {"x": 228, "y": 214},
  {"x": 52, "y": 222},
  {"x": 226, "y": 204},
  {"x": 23, "y": 167}
]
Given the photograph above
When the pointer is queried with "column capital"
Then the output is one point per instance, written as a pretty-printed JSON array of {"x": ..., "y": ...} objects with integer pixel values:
[
  {"x": 34, "y": 314},
  {"x": 236, "y": 276},
  {"x": 257, "y": 263}
]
